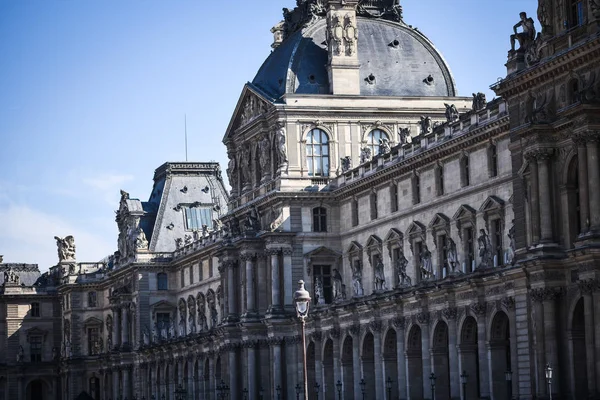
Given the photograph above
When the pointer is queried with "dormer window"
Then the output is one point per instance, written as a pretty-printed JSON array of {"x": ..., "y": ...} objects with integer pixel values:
[
  {"x": 197, "y": 216},
  {"x": 317, "y": 153}
]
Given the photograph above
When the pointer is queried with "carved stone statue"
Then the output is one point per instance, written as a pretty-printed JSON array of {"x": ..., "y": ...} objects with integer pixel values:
[
  {"x": 401, "y": 264},
  {"x": 202, "y": 325},
  {"x": 246, "y": 166},
  {"x": 264, "y": 156},
  {"x": 178, "y": 243},
  {"x": 346, "y": 163},
  {"x": 527, "y": 34},
  {"x": 280, "y": 142},
  {"x": 384, "y": 146},
  {"x": 253, "y": 220},
  {"x": 232, "y": 173},
  {"x": 276, "y": 219},
  {"x": 109, "y": 330},
  {"x": 479, "y": 101},
  {"x": 365, "y": 155},
  {"x": 140, "y": 239},
  {"x": 338, "y": 290},
  {"x": 212, "y": 305},
  {"x": 485, "y": 250},
  {"x": 451, "y": 112},
  {"x": 379, "y": 276},
  {"x": 426, "y": 125},
  {"x": 171, "y": 329},
  {"x": 146, "y": 336},
  {"x": 452, "y": 256},
  {"x": 319, "y": 296},
  {"x": 357, "y": 279},
  {"x": 404, "y": 134},
  {"x": 512, "y": 249},
  {"x": 66, "y": 248},
  {"x": 426, "y": 263},
  {"x": 11, "y": 277},
  {"x": 20, "y": 355}
]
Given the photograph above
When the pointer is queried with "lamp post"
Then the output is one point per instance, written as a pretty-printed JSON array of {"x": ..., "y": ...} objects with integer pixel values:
[
  {"x": 278, "y": 390},
  {"x": 549, "y": 372},
  {"x": 388, "y": 386},
  {"x": 298, "y": 390},
  {"x": 302, "y": 301},
  {"x": 338, "y": 385},
  {"x": 508, "y": 377},
  {"x": 463, "y": 382},
  {"x": 362, "y": 387},
  {"x": 432, "y": 379},
  {"x": 317, "y": 386}
]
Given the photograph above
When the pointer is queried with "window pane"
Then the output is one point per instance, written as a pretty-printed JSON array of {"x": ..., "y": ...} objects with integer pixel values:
[
  {"x": 309, "y": 151},
  {"x": 325, "y": 150},
  {"x": 317, "y": 150}
]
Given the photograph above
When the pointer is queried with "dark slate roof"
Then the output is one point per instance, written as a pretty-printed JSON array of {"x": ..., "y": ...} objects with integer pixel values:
[
  {"x": 28, "y": 273},
  {"x": 299, "y": 64}
]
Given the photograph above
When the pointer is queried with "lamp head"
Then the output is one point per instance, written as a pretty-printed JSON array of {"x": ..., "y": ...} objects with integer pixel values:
[
  {"x": 302, "y": 300},
  {"x": 549, "y": 371}
]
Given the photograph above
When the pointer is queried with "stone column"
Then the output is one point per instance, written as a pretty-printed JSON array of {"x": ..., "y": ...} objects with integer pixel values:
[
  {"x": 275, "y": 282},
  {"x": 288, "y": 284},
  {"x": 423, "y": 319},
  {"x": 125, "y": 326},
  {"x": 400, "y": 324},
  {"x": 115, "y": 383},
  {"x": 480, "y": 310},
  {"x": 316, "y": 337},
  {"x": 451, "y": 314},
  {"x": 126, "y": 382},
  {"x": 233, "y": 372},
  {"x": 538, "y": 296},
  {"x": 378, "y": 358},
  {"x": 543, "y": 160},
  {"x": 337, "y": 356},
  {"x": 596, "y": 321},
  {"x": 355, "y": 330},
  {"x": 252, "y": 371},
  {"x": 534, "y": 198},
  {"x": 249, "y": 259},
  {"x": 582, "y": 171},
  {"x": 594, "y": 177},
  {"x": 231, "y": 290},
  {"x": 116, "y": 336},
  {"x": 588, "y": 307},
  {"x": 277, "y": 364}
]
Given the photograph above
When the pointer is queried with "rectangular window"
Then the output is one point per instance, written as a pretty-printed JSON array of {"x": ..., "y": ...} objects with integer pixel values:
[
  {"x": 182, "y": 276},
  {"x": 319, "y": 219},
  {"x": 469, "y": 248},
  {"x": 418, "y": 246},
  {"x": 575, "y": 13},
  {"x": 374, "y": 206},
  {"x": 196, "y": 217},
  {"x": 35, "y": 348},
  {"x": 442, "y": 245},
  {"x": 191, "y": 274},
  {"x": 210, "y": 267},
  {"x": 493, "y": 161},
  {"x": 416, "y": 181},
  {"x": 394, "y": 197},
  {"x": 464, "y": 171},
  {"x": 163, "y": 319},
  {"x": 323, "y": 272},
  {"x": 162, "y": 281},
  {"x": 497, "y": 241},
  {"x": 35, "y": 309},
  {"x": 200, "y": 271},
  {"x": 93, "y": 341},
  {"x": 440, "y": 180},
  {"x": 92, "y": 299},
  {"x": 354, "y": 212}
]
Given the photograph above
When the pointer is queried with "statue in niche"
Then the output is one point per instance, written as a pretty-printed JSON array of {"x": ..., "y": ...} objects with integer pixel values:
[
  {"x": 479, "y": 101},
  {"x": 171, "y": 329},
  {"x": 384, "y": 146},
  {"x": 319, "y": 296},
  {"x": 247, "y": 165},
  {"x": 346, "y": 163},
  {"x": 109, "y": 329},
  {"x": 203, "y": 326},
  {"x": 220, "y": 302},
  {"x": 276, "y": 219},
  {"x": 214, "y": 316},
  {"x": 485, "y": 250},
  {"x": 527, "y": 34},
  {"x": 365, "y": 155},
  {"x": 20, "y": 355},
  {"x": 401, "y": 264},
  {"x": 451, "y": 112},
  {"x": 280, "y": 141},
  {"x": 404, "y": 135},
  {"x": 426, "y": 263},
  {"x": 154, "y": 334},
  {"x": 232, "y": 173},
  {"x": 338, "y": 286},
  {"x": 426, "y": 125},
  {"x": 66, "y": 248},
  {"x": 191, "y": 324},
  {"x": 512, "y": 249},
  {"x": 264, "y": 156},
  {"x": 357, "y": 278},
  {"x": 182, "y": 317},
  {"x": 379, "y": 276},
  {"x": 164, "y": 331},
  {"x": 452, "y": 256}
]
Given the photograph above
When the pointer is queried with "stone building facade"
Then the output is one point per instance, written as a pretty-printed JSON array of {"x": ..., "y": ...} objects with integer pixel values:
[{"x": 439, "y": 236}]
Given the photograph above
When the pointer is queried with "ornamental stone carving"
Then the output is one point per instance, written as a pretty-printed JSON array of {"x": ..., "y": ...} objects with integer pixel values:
[
  {"x": 426, "y": 125},
  {"x": 399, "y": 322},
  {"x": 589, "y": 286},
  {"x": 451, "y": 112},
  {"x": 450, "y": 313},
  {"x": 350, "y": 35},
  {"x": 280, "y": 142},
  {"x": 423, "y": 318},
  {"x": 66, "y": 248},
  {"x": 527, "y": 34},
  {"x": 508, "y": 302},
  {"x": 479, "y": 309}
]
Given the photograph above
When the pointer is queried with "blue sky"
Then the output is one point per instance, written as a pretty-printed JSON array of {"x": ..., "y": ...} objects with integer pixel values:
[{"x": 93, "y": 95}]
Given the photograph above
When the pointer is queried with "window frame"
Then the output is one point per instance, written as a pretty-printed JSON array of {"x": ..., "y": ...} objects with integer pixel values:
[
  {"x": 193, "y": 216},
  {"x": 160, "y": 275},
  {"x": 326, "y": 280},
  {"x": 394, "y": 197},
  {"x": 34, "y": 340},
  {"x": 373, "y": 143},
  {"x": 355, "y": 213},
  {"x": 374, "y": 204},
  {"x": 91, "y": 304},
  {"x": 465, "y": 173},
  {"x": 322, "y": 159},
  {"x": 493, "y": 160},
  {"x": 416, "y": 189},
  {"x": 319, "y": 219},
  {"x": 36, "y": 309}
]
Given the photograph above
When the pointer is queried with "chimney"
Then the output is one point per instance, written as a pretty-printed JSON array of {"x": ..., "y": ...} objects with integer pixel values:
[{"x": 342, "y": 46}]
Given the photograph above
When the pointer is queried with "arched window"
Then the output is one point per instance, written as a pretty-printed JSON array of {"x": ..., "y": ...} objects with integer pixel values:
[
  {"x": 373, "y": 140},
  {"x": 317, "y": 153},
  {"x": 162, "y": 281},
  {"x": 319, "y": 219}
]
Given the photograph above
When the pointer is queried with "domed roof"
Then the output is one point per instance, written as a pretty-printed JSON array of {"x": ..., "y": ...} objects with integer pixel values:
[{"x": 395, "y": 60}]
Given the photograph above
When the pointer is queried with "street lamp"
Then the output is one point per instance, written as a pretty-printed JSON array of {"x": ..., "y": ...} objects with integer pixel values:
[
  {"x": 388, "y": 386},
  {"x": 508, "y": 377},
  {"x": 298, "y": 390},
  {"x": 432, "y": 379},
  {"x": 549, "y": 372},
  {"x": 338, "y": 385},
  {"x": 302, "y": 301},
  {"x": 463, "y": 382},
  {"x": 317, "y": 386},
  {"x": 362, "y": 387}
]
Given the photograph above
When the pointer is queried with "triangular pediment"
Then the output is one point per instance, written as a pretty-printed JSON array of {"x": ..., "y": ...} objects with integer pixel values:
[
  {"x": 415, "y": 228},
  {"x": 464, "y": 211},
  {"x": 355, "y": 247},
  {"x": 491, "y": 203},
  {"x": 374, "y": 241},
  {"x": 439, "y": 220},
  {"x": 251, "y": 106},
  {"x": 162, "y": 304},
  {"x": 322, "y": 252},
  {"x": 394, "y": 234},
  {"x": 35, "y": 331},
  {"x": 92, "y": 321}
]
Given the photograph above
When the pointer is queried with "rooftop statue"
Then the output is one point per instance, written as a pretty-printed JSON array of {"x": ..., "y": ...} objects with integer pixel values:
[
  {"x": 66, "y": 248},
  {"x": 527, "y": 34}
]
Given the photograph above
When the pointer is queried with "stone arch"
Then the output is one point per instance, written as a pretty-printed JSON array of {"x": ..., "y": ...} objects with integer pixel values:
[
  {"x": 414, "y": 362},
  {"x": 38, "y": 389},
  {"x": 310, "y": 365},
  {"x": 577, "y": 343},
  {"x": 368, "y": 361},
  {"x": 499, "y": 353},
  {"x": 348, "y": 367},
  {"x": 328, "y": 385},
  {"x": 390, "y": 359},
  {"x": 440, "y": 360},
  {"x": 469, "y": 355}
]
